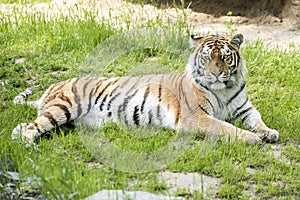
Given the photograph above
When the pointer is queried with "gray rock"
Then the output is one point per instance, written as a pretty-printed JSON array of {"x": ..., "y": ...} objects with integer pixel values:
[
  {"x": 41, "y": 197},
  {"x": 27, "y": 198},
  {"x": 10, "y": 189},
  {"x": 11, "y": 185},
  {"x": 14, "y": 176},
  {"x": 33, "y": 192},
  {"x": 190, "y": 181},
  {"x": 6, "y": 177},
  {"x": 125, "y": 195}
]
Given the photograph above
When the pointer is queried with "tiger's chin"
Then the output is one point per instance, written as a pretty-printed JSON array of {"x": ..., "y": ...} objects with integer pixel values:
[{"x": 217, "y": 86}]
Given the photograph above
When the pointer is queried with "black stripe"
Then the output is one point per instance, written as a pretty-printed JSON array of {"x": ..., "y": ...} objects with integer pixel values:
[
  {"x": 233, "y": 65},
  {"x": 90, "y": 101},
  {"x": 26, "y": 93},
  {"x": 239, "y": 108},
  {"x": 178, "y": 84},
  {"x": 245, "y": 117},
  {"x": 85, "y": 86},
  {"x": 187, "y": 103},
  {"x": 37, "y": 127},
  {"x": 50, "y": 118},
  {"x": 136, "y": 118},
  {"x": 103, "y": 90},
  {"x": 211, "y": 105},
  {"x": 218, "y": 99},
  {"x": 122, "y": 107},
  {"x": 65, "y": 109},
  {"x": 159, "y": 93},
  {"x": 238, "y": 59},
  {"x": 150, "y": 117},
  {"x": 127, "y": 99},
  {"x": 66, "y": 99},
  {"x": 145, "y": 98},
  {"x": 103, "y": 102},
  {"x": 203, "y": 109},
  {"x": 76, "y": 98},
  {"x": 57, "y": 87},
  {"x": 158, "y": 113},
  {"x": 99, "y": 84},
  {"x": 111, "y": 100},
  {"x": 198, "y": 56},
  {"x": 244, "y": 112},
  {"x": 183, "y": 95},
  {"x": 177, "y": 116},
  {"x": 120, "y": 85},
  {"x": 237, "y": 93}
]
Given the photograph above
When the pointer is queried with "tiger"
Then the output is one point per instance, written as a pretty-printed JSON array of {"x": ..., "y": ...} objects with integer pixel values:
[{"x": 209, "y": 94}]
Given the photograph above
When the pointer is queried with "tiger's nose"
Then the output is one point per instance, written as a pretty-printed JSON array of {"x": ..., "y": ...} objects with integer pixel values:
[{"x": 216, "y": 73}]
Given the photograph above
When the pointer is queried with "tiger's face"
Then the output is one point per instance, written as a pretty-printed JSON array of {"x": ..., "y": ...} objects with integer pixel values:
[{"x": 216, "y": 60}]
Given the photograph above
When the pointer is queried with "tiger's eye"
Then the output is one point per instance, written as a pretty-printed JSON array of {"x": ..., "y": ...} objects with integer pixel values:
[
  {"x": 226, "y": 57},
  {"x": 205, "y": 57}
]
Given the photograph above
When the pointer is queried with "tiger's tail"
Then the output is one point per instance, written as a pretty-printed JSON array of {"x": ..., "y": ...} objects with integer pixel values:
[{"x": 21, "y": 98}]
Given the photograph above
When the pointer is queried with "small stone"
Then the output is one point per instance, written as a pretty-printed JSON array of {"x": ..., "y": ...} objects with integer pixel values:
[
  {"x": 33, "y": 192},
  {"x": 10, "y": 189},
  {"x": 41, "y": 197},
  {"x": 20, "y": 60},
  {"x": 14, "y": 176},
  {"x": 11, "y": 185},
  {"x": 27, "y": 198},
  {"x": 8, "y": 176}
]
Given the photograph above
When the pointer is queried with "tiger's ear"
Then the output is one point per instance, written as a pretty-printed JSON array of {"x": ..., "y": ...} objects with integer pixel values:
[
  {"x": 195, "y": 40},
  {"x": 237, "y": 40}
]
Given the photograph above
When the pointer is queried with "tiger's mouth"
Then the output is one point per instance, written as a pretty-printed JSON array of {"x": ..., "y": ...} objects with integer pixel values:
[
  {"x": 220, "y": 83},
  {"x": 212, "y": 78},
  {"x": 217, "y": 85}
]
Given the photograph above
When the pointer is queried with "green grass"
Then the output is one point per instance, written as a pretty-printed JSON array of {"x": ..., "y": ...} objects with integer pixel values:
[{"x": 57, "y": 49}]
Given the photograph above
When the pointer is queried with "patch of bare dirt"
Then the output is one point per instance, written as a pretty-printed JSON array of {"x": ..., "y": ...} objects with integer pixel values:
[{"x": 207, "y": 185}]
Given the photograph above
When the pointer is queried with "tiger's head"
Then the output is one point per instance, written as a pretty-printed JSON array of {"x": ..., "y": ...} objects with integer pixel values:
[{"x": 216, "y": 61}]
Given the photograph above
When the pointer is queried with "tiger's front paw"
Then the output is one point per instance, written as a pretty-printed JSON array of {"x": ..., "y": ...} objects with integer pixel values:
[
  {"x": 270, "y": 135},
  {"x": 250, "y": 138},
  {"x": 21, "y": 131}
]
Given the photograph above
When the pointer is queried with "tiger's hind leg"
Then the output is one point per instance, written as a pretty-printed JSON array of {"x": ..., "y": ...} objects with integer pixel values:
[
  {"x": 47, "y": 120},
  {"x": 54, "y": 110},
  {"x": 25, "y": 130}
]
